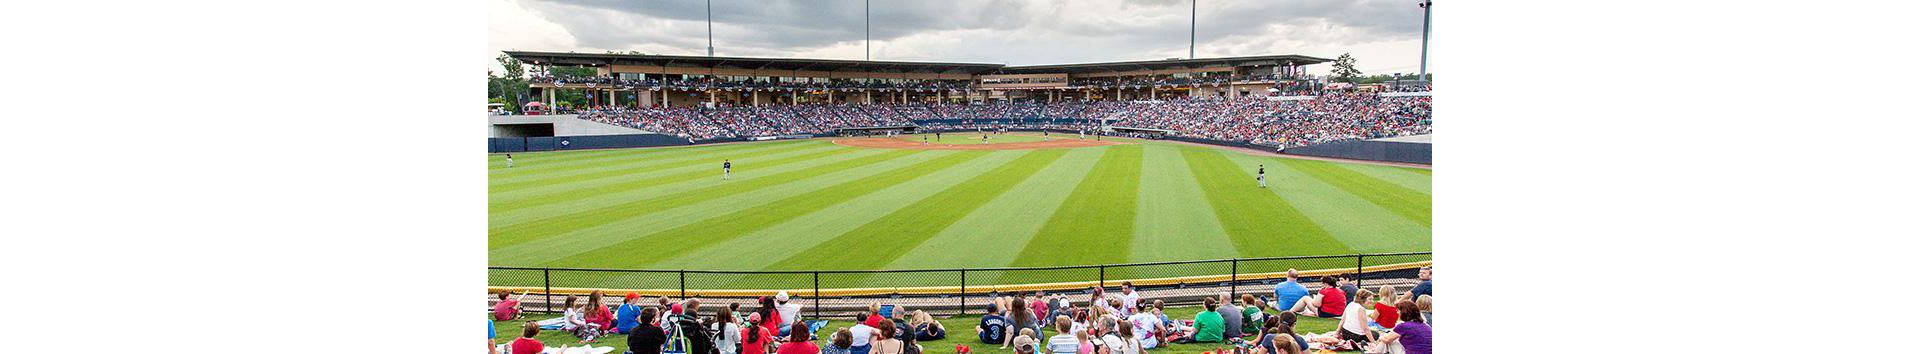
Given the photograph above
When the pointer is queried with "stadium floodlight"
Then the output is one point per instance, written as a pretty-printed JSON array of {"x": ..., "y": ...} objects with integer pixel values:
[
  {"x": 709, "y": 28},
  {"x": 1426, "y": 26}
]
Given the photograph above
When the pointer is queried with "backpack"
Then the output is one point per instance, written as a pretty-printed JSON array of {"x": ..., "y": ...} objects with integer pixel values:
[{"x": 687, "y": 336}]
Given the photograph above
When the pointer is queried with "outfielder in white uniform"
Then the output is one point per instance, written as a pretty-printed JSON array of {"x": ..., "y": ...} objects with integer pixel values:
[
  {"x": 509, "y": 160},
  {"x": 1263, "y": 175},
  {"x": 726, "y": 169}
]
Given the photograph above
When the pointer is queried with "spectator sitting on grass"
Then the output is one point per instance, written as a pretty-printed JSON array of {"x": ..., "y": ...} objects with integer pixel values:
[
  {"x": 1208, "y": 326},
  {"x": 599, "y": 319},
  {"x": 1326, "y": 304},
  {"x": 925, "y": 328},
  {"x": 1348, "y": 287},
  {"x": 628, "y": 315},
  {"x": 863, "y": 335},
  {"x": 1353, "y": 323},
  {"x": 1289, "y": 292},
  {"x": 992, "y": 328},
  {"x": 646, "y": 337},
  {"x": 1412, "y": 333},
  {"x": 1128, "y": 338},
  {"x": 1425, "y": 303},
  {"x": 1231, "y": 319},
  {"x": 726, "y": 329},
  {"x": 756, "y": 337},
  {"x": 1145, "y": 326},
  {"x": 526, "y": 343},
  {"x": 1064, "y": 342},
  {"x": 509, "y": 306},
  {"x": 1384, "y": 314},
  {"x": 1021, "y": 319},
  {"x": 842, "y": 343},
  {"x": 800, "y": 342},
  {"x": 1426, "y": 284},
  {"x": 1129, "y": 299},
  {"x": 789, "y": 312},
  {"x": 1023, "y": 345},
  {"x": 887, "y": 342},
  {"x": 1252, "y": 313}
]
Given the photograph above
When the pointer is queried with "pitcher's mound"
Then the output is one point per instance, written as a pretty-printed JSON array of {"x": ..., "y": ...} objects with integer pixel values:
[{"x": 892, "y": 143}]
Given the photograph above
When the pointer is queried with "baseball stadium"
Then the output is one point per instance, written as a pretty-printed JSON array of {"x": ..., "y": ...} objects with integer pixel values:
[{"x": 951, "y": 194}]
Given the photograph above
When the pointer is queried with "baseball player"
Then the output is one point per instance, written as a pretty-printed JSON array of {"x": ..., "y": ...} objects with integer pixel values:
[
  {"x": 1263, "y": 176},
  {"x": 509, "y": 160},
  {"x": 726, "y": 169}
]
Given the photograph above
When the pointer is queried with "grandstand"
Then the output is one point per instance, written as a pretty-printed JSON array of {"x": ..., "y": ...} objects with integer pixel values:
[
  {"x": 685, "y": 81},
  {"x": 1254, "y": 100}
]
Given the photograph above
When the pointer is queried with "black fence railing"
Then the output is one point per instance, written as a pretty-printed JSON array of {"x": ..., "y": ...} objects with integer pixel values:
[{"x": 951, "y": 290}]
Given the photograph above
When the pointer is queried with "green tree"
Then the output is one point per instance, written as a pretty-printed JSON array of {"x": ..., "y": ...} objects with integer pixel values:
[
  {"x": 1343, "y": 70},
  {"x": 515, "y": 68}
]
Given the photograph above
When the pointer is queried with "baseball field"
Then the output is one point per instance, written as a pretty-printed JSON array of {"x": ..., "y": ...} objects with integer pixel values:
[{"x": 891, "y": 204}]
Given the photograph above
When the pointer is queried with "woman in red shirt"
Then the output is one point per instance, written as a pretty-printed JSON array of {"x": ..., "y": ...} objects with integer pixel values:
[
  {"x": 755, "y": 338},
  {"x": 526, "y": 343},
  {"x": 1383, "y": 313},
  {"x": 1333, "y": 302},
  {"x": 800, "y": 342},
  {"x": 599, "y": 319}
]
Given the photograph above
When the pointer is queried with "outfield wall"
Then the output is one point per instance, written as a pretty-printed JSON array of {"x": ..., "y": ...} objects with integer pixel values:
[
  {"x": 1370, "y": 150},
  {"x": 553, "y": 143}
]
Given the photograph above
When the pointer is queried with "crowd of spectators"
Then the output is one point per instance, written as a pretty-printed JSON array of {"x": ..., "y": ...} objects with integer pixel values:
[
  {"x": 1373, "y": 320},
  {"x": 715, "y": 83},
  {"x": 1328, "y": 118}
]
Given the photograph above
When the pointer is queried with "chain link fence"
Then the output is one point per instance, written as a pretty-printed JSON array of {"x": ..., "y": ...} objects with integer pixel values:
[{"x": 952, "y": 291}]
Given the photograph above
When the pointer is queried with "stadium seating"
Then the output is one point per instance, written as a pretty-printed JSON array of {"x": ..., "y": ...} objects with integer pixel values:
[{"x": 1329, "y": 118}]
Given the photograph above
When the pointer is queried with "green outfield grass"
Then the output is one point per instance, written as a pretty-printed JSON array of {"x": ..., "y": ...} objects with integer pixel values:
[{"x": 812, "y": 204}]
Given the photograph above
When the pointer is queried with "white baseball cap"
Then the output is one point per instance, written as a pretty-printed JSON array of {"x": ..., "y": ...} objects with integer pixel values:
[{"x": 782, "y": 296}]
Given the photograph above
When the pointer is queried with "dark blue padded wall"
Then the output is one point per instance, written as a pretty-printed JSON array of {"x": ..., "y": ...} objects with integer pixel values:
[{"x": 1390, "y": 151}]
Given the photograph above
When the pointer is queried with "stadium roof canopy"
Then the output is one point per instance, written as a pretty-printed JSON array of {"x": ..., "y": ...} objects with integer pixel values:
[
  {"x": 592, "y": 59},
  {"x": 1174, "y": 63},
  {"x": 588, "y": 59}
]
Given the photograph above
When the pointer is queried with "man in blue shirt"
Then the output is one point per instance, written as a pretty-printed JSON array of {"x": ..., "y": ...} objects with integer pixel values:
[
  {"x": 1426, "y": 284},
  {"x": 1288, "y": 292}
]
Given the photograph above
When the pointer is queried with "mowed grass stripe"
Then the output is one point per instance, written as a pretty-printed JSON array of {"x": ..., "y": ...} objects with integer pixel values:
[
  {"x": 497, "y": 162},
  {"x": 1099, "y": 212},
  {"x": 721, "y": 228},
  {"x": 1360, "y": 225},
  {"x": 561, "y": 162},
  {"x": 608, "y": 232},
  {"x": 886, "y": 239},
  {"x": 687, "y": 171},
  {"x": 1006, "y": 223},
  {"x": 1174, "y": 214},
  {"x": 507, "y": 235},
  {"x": 638, "y": 162},
  {"x": 740, "y": 174},
  {"x": 1408, "y": 203},
  {"x": 1259, "y": 224},
  {"x": 756, "y": 251},
  {"x": 1402, "y": 176}
]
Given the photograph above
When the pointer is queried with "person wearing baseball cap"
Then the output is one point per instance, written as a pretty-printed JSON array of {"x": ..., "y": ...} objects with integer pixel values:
[
  {"x": 1023, "y": 345},
  {"x": 628, "y": 315},
  {"x": 992, "y": 328},
  {"x": 789, "y": 313}
]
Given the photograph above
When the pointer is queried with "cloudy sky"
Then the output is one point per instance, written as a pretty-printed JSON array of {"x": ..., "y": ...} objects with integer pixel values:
[{"x": 1383, "y": 35}]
